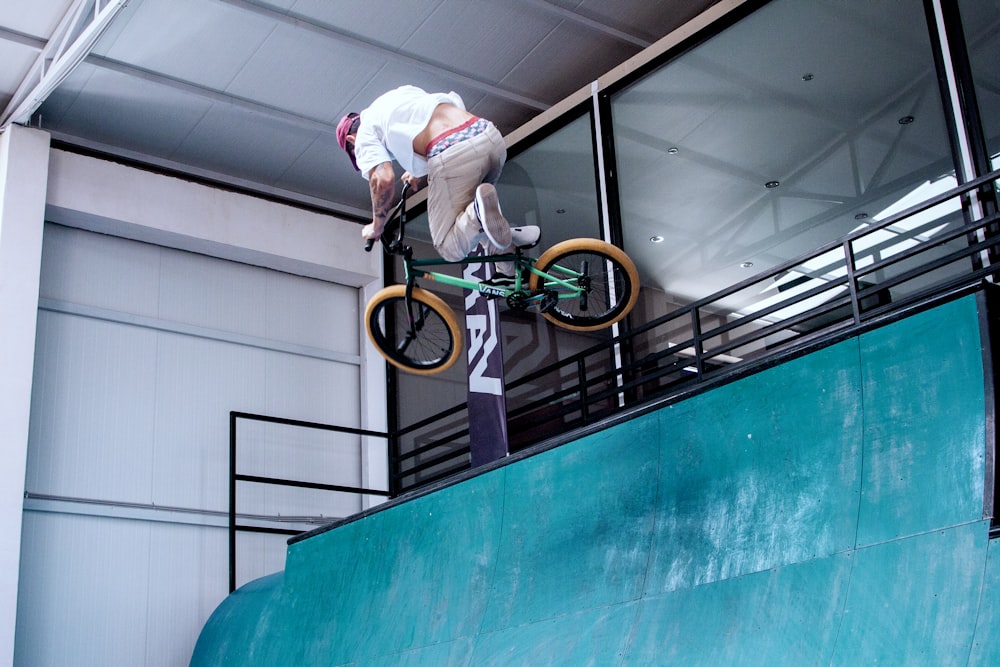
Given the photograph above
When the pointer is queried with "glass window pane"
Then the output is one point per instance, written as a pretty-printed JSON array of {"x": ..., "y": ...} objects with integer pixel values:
[
  {"x": 553, "y": 184},
  {"x": 981, "y": 23},
  {"x": 778, "y": 135}
]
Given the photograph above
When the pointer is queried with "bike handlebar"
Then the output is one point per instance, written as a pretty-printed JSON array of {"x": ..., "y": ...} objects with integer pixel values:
[{"x": 401, "y": 210}]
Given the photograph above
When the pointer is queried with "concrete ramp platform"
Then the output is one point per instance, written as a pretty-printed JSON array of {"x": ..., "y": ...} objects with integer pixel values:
[{"x": 833, "y": 510}]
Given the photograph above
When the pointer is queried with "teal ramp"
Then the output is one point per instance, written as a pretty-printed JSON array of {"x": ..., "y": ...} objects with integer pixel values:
[{"x": 827, "y": 511}]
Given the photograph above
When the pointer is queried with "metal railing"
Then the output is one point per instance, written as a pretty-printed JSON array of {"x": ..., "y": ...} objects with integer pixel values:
[
  {"x": 882, "y": 271},
  {"x": 266, "y": 523}
]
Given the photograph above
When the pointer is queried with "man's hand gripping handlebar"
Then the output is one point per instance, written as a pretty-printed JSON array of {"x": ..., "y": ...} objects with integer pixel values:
[{"x": 400, "y": 210}]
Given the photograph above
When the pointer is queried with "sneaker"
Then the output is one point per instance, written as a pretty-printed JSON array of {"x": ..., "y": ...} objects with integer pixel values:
[
  {"x": 525, "y": 237},
  {"x": 521, "y": 237},
  {"x": 503, "y": 268},
  {"x": 495, "y": 226}
]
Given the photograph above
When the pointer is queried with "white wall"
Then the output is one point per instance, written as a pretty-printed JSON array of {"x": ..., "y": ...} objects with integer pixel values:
[
  {"x": 142, "y": 350},
  {"x": 23, "y": 173},
  {"x": 115, "y": 199}
]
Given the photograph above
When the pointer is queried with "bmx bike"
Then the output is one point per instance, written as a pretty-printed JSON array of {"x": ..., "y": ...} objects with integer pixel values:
[{"x": 581, "y": 284}]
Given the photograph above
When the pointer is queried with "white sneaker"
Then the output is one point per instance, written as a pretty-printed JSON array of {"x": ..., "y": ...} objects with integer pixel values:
[
  {"x": 526, "y": 236},
  {"x": 521, "y": 237},
  {"x": 495, "y": 226},
  {"x": 506, "y": 268}
]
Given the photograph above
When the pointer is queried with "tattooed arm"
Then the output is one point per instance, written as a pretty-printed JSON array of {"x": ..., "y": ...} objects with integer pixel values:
[{"x": 382, "y": 181}]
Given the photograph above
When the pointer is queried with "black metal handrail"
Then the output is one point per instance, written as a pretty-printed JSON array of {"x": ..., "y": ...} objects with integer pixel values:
[
  {"x": 858, "y": 280},
  {"x": 235, "y": 477}
]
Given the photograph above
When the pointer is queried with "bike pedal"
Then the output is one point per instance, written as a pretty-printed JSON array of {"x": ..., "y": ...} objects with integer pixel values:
[
  {"x": 544, "y": 301},
  {"x": 550, "y": 300}
]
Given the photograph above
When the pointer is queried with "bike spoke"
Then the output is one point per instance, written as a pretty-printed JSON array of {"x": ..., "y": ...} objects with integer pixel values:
[{"x": 412, "y": 333}]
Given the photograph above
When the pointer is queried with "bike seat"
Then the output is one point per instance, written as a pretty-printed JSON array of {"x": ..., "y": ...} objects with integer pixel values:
[{"x": 526, "y": 236}]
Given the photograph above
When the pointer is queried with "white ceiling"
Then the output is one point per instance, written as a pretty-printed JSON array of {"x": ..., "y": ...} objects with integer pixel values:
[{"x": 249, "y": 92}]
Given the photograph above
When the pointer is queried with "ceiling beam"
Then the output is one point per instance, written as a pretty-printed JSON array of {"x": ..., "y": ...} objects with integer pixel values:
[
  {"x": 8, "y": 35},
  {"x": 302, "y": 23},
  {"x": 72, "y": 40},
  {"x": 210, "y": 94}
]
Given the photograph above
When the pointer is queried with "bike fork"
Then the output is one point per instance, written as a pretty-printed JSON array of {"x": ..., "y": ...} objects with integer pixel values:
[{"x": 414, "y": 324}]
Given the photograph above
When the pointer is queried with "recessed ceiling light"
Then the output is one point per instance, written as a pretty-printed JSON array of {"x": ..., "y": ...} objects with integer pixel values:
[
  {"x": 906, "y": 120},
  {"x": 770, "y": 185},
  {"x": 560, "y": 211},
  {"x": 808, "y": 76},
  {"x": 656, "y": 239},
  {"x": 673, "y": 150},
  {"x": 861, "y": 216},
  {"x": 746, "y": 265}
]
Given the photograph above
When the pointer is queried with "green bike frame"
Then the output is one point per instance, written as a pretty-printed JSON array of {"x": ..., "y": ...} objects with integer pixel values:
[{"x": 414, "y": 270}]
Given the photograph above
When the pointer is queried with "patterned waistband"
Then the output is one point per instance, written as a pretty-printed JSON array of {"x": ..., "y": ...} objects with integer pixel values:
[{"x": 466, "y": 130}]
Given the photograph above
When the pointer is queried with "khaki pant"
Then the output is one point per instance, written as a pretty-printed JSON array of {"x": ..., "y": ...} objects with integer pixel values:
[{"x": 452, "y": 178}]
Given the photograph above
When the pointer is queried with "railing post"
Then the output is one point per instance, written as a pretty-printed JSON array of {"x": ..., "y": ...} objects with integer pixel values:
[
  {"x": 232, "y": 501},
  {"x": 852, "y": 283},
  {"x": 696, "y": 341},
  {"x": 581, "y": 378},
  {"x": 393, "y": 463}
]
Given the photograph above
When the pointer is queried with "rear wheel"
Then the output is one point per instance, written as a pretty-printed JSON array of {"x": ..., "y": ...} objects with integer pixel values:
[
  {"x": 596, "y": 283},
  {"x": 430, "y": 346}
]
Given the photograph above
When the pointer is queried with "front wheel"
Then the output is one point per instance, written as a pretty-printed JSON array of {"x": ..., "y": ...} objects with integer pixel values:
[
  {"x": 423, "y": 338},
  {"x": 596, "y": 283}
]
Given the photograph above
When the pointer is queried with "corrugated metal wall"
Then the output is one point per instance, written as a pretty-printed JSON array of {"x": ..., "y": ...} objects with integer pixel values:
[{"x": 142, "y": 353}]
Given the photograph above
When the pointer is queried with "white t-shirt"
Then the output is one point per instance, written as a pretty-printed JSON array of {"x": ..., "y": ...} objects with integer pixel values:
[{"x": 389, "y": 125}]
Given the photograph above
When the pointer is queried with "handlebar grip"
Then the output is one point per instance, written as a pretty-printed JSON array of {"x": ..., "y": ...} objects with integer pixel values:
[{"x": 400, "y": 206}]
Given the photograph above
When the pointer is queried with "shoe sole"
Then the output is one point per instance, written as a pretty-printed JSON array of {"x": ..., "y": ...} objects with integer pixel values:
[{"x": 494, "y": 224}]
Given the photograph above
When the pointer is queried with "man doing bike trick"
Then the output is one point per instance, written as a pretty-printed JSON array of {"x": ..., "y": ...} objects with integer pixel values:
[{"x": 440, "y": 144}]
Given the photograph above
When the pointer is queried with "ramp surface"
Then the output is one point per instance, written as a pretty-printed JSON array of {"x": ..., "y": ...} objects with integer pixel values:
[{"x": 828, "y": 511}]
